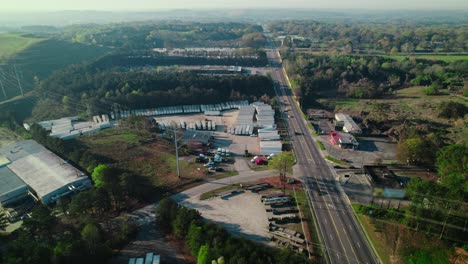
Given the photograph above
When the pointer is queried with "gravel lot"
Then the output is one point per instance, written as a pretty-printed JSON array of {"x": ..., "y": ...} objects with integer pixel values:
[{"x": 242, "y": 215}]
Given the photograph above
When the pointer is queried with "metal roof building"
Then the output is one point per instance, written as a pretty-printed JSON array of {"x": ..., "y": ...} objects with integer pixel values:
[
  {"x": 48, "y": 175},
  {"x": 12, "y": 188},
  {"x": 270, "y": 147},
  {"x": 348, "y": 124}
]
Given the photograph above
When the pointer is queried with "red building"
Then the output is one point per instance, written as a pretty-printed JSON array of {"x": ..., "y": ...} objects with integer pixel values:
[{"x": 344, "y": 140}]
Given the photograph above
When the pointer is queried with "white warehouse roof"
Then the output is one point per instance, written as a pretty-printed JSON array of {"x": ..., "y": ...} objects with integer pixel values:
[
  {"x": 349, "y": 125},
  {"x": 44, "y": 172}
]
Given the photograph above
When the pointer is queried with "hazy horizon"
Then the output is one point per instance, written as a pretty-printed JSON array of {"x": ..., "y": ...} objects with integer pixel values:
[{"x": 164, "y": 5}]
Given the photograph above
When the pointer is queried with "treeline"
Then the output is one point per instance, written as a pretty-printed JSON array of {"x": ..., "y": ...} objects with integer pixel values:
[
  {"x": 44, "y": 238},
  {"x": 83, "y": 89},
  {"x": 439, "y": 208},
  {"x": 166, "y": 34},
  {"x": 210, "y": 243},
  {"x": 369, "y": 76},
  {"x": 129, "y": 60},
  {"x": 389, "y": 37}
]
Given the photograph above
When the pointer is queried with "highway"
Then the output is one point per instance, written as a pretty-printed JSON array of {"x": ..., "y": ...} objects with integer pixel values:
[{"x": 341, "y": 234}]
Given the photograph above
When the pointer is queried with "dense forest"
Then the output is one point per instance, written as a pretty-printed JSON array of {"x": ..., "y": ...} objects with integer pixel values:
[
  {"x": 390, "y": 37},
  {"x": 369, "y": 76},
  {"x": 167, "y": 34},
  {"x": 84, "y": 89},
  {"x": 210, "y": 242}
]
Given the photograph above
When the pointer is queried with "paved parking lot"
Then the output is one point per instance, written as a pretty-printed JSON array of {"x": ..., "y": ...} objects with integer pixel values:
[{"x": 370, "y": 149}]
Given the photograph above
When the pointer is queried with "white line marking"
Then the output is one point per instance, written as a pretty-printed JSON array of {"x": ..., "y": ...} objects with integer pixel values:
[{"x": 359, "y": 245}]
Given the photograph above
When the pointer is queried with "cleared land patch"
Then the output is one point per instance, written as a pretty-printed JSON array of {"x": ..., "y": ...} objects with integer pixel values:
[
  {"x": 136, "y": 152},
  {"x": 10, "y": 44}
]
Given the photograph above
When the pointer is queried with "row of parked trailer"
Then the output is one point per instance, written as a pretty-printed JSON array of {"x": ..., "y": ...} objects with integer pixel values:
[
  {"x": 240, "y": 129},
  {"x": 174, "y": 110},
  {"x": 195, "y": 125}
]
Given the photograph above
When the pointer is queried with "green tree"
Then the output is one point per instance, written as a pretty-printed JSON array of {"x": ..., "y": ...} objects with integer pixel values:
[
  {"x": 203, "y": 255},
  {"x": 166, "y": 212},
  {"x": 99, "y": 174},
  {"x": 194, "y": 238},
  {"x": 183, "y": 219},
  {"x": 416, "y": 151},
  {"x": 452, "y": 166},
  {"x": 91, "y": 236},
  {"x": 282, "y": 163}
]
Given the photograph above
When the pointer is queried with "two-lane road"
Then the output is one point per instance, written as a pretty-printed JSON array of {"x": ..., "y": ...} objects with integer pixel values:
[{"x": 342, "y": 236}]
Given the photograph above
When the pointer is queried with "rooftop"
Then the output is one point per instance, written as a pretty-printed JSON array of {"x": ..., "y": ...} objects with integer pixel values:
[
  {"x": 9, "y": 181},
  {"x": 39, "y": 168}
]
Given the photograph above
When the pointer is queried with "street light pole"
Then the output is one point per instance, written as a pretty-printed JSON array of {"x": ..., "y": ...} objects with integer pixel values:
[{"x": 177, "y": 153}]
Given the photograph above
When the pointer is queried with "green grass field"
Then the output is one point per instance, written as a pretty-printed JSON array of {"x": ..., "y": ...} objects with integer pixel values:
[{"x": 11, "y": 44}]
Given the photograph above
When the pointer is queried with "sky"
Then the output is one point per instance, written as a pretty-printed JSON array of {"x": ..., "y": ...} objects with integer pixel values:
[{"x": 155, "y": 5}]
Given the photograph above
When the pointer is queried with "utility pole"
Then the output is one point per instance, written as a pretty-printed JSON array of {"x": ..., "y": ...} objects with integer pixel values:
[
  {"x": 177, "y": 153},
  {"x": 17, "y": 78}
]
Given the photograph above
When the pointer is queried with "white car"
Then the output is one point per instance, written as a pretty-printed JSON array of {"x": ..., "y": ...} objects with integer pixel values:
[{"x": 253, "y": 159}]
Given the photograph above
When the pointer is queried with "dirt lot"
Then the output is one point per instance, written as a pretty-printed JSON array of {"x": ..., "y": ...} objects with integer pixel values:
[{"x": 249, "y": 221}]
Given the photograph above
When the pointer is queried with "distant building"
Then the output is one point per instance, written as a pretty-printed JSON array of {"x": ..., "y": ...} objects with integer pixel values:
[
  {"x": 344, "y": 140},
  {"x": 348, "y": 124},
  {"x": 29, "y": 167}
]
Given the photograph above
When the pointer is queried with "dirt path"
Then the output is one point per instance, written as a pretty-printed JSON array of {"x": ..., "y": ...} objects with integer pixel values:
[{"x": 149, "y": 239}]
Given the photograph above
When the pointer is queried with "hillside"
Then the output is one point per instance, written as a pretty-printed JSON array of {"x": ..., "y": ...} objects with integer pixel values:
[
  {"x": 10, "y": 44},
  {"x": 42, "y": 58}
]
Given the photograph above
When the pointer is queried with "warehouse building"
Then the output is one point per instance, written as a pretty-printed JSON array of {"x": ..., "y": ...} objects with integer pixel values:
[
  {"x": 12, "y": 188},
  {"x": 46, "y": 175},
  {"x": 270, "y": 147},
  {"x": 348, "y": 124}
]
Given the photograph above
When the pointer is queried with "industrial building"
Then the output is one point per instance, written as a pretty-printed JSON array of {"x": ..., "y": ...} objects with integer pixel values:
[
  {"x": 265, "y": 114},
  {"x": 270, "y": 147},
  {"x": 347, "y": 123},
  {"x": 70, "y": 127},
  {"x": 29, "y": 168},
  {"x": 344, "y": 140}
]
